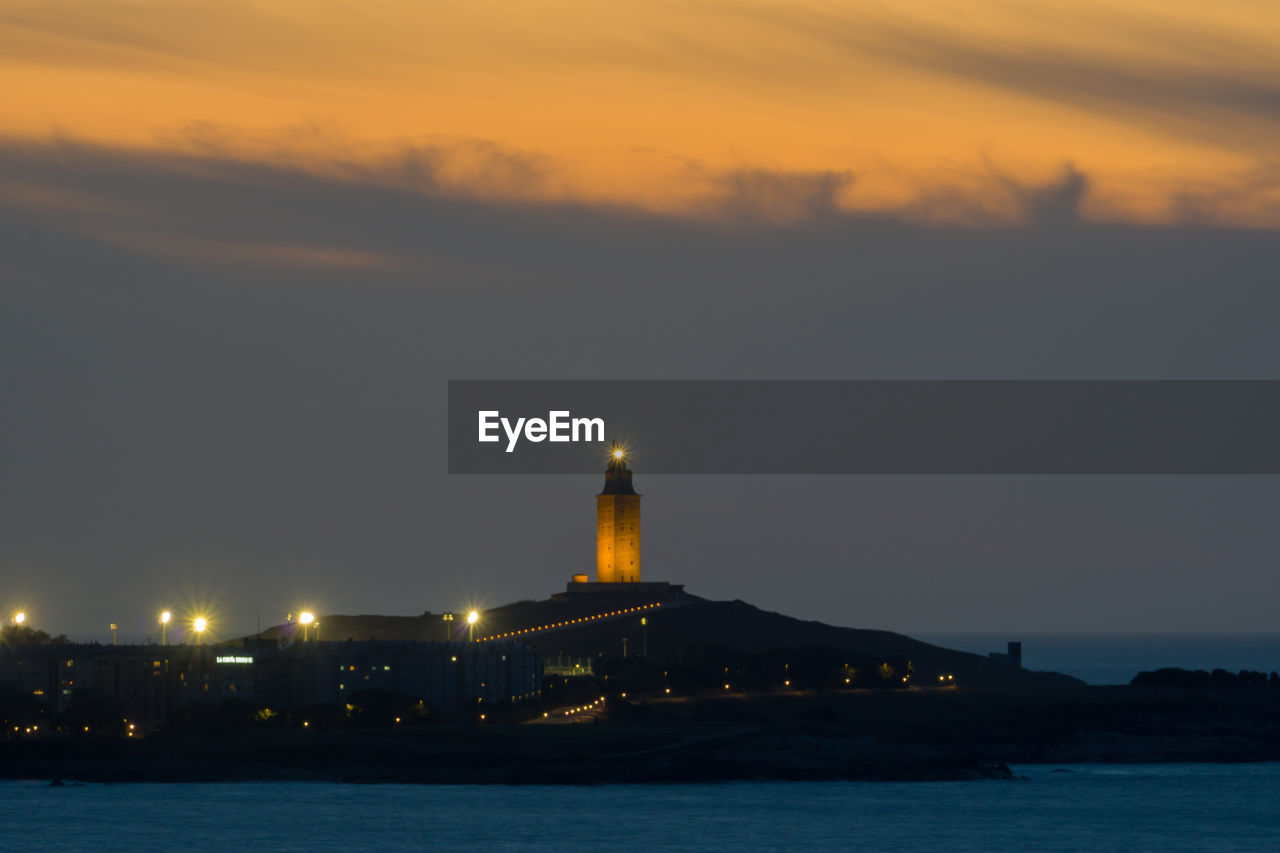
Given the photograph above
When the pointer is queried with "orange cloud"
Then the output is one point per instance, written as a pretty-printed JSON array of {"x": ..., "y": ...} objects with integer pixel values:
[
  {"x": 246, "y": 253},
  {"x": 695, "y": 108}
]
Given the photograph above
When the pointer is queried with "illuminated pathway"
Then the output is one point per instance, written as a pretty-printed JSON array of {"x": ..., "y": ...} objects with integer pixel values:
[
  {"x": 573, "y": 623},
  {"x": 574, "y": 713}
]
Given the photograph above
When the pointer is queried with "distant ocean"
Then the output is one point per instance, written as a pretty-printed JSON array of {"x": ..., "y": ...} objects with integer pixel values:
[
  {"x": 1167, "y": 808},
  {"x": 1116, "y": 658}
]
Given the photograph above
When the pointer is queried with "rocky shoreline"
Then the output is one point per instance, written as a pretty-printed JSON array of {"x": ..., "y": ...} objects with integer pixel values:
[{"x": 883, "y": 736}]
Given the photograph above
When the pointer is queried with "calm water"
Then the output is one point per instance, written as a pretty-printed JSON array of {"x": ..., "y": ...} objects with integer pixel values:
[
  {"x": 1116, "y": 658},
  {"x": 1142, "y": 807}
]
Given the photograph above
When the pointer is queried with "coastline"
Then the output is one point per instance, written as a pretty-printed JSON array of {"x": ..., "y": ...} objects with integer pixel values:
[{"x": 917, "y": 735}]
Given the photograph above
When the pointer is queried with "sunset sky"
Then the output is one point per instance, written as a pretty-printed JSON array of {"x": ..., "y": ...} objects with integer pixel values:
[
  {"x": 935, "y": 111},
  {"x": 244, "y": 246}
]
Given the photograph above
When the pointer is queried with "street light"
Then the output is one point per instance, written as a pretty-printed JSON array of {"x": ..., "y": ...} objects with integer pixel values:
[
  {"x": 200, "y": 624},
  {"x": 447, "y": 619},
  {"x": 305, "y": 618},
  {"x": 19, "y": 618},
  {"x": 165, "y": 616},
  {"x": 644, "y": 636},
  {"x": 113, "y": 627},
  {"x": 472, "y": 618}
]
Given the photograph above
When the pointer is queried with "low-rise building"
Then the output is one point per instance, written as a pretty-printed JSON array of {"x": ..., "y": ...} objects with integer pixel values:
[{"x": 148, "y": 683}]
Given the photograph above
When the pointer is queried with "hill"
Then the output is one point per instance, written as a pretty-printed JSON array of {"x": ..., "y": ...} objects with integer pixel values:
[{"x": 590, "y": 626}]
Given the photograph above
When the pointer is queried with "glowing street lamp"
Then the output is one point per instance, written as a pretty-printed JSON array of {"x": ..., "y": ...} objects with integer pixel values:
[
  {"x": 472, "y": 618},
  {"x": 200, "y": 624},
  {"x": 19, "y": 618},
  {"x": 644, "y": 636},
  {"x": 165, "y": 616},
  {"x": 113, "y": 627},
  {"x": 305, "y": 618}
]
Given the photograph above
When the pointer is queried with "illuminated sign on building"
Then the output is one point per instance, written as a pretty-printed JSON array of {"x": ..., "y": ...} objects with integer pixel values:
[{"x": 229, "y": 659}]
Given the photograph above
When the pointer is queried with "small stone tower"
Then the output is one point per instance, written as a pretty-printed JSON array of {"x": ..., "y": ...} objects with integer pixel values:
[{"x": 618, "y": 524}]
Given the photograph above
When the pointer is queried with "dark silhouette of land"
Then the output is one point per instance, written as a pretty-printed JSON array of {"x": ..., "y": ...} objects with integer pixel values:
[
  {"x": 915, "y": 734},
  {"x": 676, "y": 626},
  {"x": 708, "y": 691}
]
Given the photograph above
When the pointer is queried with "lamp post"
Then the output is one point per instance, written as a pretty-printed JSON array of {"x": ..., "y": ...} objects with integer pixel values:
[
  {"x": 644, "y": 637},
  {"x": 113, "y": 627},
  {"x": 447, "y": 619},
  {"x": 19, "y": 618},
  {"x": 305, "y": 618},
  {"x": 165, "y": 616},
  {"x": 472, "y": 618},
  {"x": 200, "y": 624}
]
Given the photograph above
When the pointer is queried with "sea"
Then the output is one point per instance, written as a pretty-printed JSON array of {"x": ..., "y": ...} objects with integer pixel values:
[
  {"x": 1117, "y": 658},
  {"x": 1160, "y": 808}
]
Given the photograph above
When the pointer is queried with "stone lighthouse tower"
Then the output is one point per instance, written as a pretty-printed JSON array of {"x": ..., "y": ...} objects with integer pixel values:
[{"x": 618, "y": 524}]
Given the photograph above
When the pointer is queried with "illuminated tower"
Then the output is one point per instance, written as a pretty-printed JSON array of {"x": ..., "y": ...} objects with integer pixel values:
[{"x": 618, "y": 524}]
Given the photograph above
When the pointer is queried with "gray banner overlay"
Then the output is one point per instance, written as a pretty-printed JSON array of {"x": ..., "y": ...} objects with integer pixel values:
[{"x": 880, "y": 427}]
